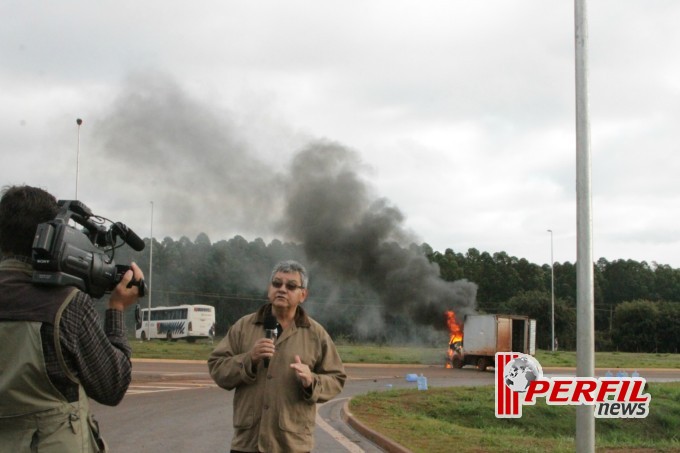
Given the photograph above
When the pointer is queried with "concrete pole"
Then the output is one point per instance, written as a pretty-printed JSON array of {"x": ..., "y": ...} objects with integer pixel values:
[
  {"x": 79, "y": 122},
  {"x": 552, "y": 292},
  {"x": 585, "y": 332},
  {"x": 148, "y": 315}
]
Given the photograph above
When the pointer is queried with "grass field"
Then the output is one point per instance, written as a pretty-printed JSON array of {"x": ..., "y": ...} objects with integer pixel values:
[{"x": 461, "y": 419}]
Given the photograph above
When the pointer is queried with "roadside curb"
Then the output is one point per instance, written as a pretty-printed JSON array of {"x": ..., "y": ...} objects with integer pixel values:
[{"x": 381, "y": 441}]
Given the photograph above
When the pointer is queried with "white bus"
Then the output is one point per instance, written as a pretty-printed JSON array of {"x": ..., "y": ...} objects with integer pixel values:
[{"x": 191, "y": 322}]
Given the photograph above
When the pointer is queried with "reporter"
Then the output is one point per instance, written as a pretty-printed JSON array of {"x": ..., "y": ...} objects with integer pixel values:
[
  {"x": 54, "y": 353},
  {"x": 278, "y": 384}
]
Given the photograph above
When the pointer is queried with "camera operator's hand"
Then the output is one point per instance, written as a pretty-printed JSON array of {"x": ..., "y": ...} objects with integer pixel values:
[{"x": 123, "y": 296}]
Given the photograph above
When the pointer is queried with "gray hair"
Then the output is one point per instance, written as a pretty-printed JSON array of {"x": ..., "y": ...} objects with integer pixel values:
[{"x": 290, "y": 266}]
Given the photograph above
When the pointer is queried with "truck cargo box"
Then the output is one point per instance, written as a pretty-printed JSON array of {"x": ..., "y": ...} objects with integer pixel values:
[{"x": 485, "y": 335}]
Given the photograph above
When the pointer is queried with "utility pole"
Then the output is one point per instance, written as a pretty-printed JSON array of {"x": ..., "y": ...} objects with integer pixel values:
[
  {"x": 552, "y": 291},
  {"x": 585, "y": 297},
  {"x": 79, "y": 122},
  {"x": 148, "y": 318}
]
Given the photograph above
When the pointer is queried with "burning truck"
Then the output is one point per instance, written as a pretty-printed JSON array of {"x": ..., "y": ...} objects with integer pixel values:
[{"x": 477, "y": 340}]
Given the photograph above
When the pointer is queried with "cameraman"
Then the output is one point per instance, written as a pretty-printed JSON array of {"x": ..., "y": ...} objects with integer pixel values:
[{"x": 54, "y": 353}]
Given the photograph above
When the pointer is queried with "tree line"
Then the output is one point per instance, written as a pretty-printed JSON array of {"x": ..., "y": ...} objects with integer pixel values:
[{"x": 637, "y": 305}]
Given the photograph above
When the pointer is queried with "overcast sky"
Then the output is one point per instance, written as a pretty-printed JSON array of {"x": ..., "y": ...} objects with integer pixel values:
[{"x": 460, "y": 115}]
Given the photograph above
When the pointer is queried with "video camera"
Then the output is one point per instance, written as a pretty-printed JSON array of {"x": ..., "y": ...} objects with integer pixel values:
[{"x": 64, "y": 255}]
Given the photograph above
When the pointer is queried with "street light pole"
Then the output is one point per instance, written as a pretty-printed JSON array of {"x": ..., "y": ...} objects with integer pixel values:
[
  {"x": 552, "y": 291},
  {"x": 78, "y": 122},
  {"x": 585, "y": 296},
  {"x": 148, "y": 314}
]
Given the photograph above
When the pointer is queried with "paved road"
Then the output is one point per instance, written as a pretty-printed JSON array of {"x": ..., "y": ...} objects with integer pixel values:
[{"x": 173, "y": 406}]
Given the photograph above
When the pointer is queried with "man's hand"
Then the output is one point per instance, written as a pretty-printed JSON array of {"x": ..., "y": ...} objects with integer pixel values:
[
  {"x": 263, "y": 348},
  {"x": 122, "y": 296},
  {"x": 303, "y": 372}
]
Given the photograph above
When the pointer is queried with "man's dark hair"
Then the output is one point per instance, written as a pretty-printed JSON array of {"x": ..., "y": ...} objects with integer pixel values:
[{"x": 22, "y": 209}]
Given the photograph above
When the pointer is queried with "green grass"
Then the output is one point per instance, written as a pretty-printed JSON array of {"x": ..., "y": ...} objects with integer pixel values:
[
  {"x": 462, "y": 419},
  {"x": 356, "y": 353},
  {"x": 391, "y": 354},
  {"x": 611, "y": 360},
  {"x": 177, "y": 350}
]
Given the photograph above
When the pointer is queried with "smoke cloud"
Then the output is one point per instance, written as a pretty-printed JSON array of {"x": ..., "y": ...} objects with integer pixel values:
[
  {"x": 331, "y": 210},
  {"x": 190, "y": 159},
  {"x": 199, "y": 167}
]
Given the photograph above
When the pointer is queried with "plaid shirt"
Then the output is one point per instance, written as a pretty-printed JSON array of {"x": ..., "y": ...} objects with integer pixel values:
[{"x": 99, "y": 358}]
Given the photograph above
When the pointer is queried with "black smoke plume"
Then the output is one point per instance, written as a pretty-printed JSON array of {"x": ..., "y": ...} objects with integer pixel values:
[
  {"x": 198, "y": 165},
  {"x": 331, "y": 210}
]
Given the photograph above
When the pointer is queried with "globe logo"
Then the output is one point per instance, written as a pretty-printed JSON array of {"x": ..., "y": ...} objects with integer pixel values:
[{"x": 521, "y": 371}]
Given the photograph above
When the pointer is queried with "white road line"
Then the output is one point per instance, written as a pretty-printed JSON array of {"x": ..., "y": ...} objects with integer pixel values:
[
  {"x": 136, "y": 389},
  {"x": 183, "y": 384},
  {"x": 338, "y": 436}
]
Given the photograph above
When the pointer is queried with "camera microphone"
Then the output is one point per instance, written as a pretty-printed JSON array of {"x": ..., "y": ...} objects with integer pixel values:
[
  {"x": 128, "y": 236},
  {"x": 270, "y": 331}
]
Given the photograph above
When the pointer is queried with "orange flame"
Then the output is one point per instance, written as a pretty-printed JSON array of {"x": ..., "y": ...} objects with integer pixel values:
[
  {"x": 456, "y": 333},
  {"x": 454, "y": 328}
]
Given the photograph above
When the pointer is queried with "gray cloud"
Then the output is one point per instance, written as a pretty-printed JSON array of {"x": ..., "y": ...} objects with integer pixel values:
[{"x": 464, "y": 110}]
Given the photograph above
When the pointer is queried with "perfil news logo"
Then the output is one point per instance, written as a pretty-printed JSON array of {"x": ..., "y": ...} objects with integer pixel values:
[{"x": 519, "y": 381}]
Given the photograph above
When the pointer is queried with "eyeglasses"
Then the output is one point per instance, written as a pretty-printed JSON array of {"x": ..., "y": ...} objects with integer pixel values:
[{"x": 290, "y": 286}]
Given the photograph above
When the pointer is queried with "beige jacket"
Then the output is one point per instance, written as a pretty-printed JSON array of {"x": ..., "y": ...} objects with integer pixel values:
[{"x": 272, "y": 411}]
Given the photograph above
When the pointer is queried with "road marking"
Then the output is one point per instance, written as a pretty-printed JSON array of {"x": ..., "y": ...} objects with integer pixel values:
[
  {"x": 136, "y": 389},
  {"x": 337, "y": 435}
]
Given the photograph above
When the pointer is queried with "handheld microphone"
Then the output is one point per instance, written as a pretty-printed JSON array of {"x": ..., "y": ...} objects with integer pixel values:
[{"x": 270, "y": 331}]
